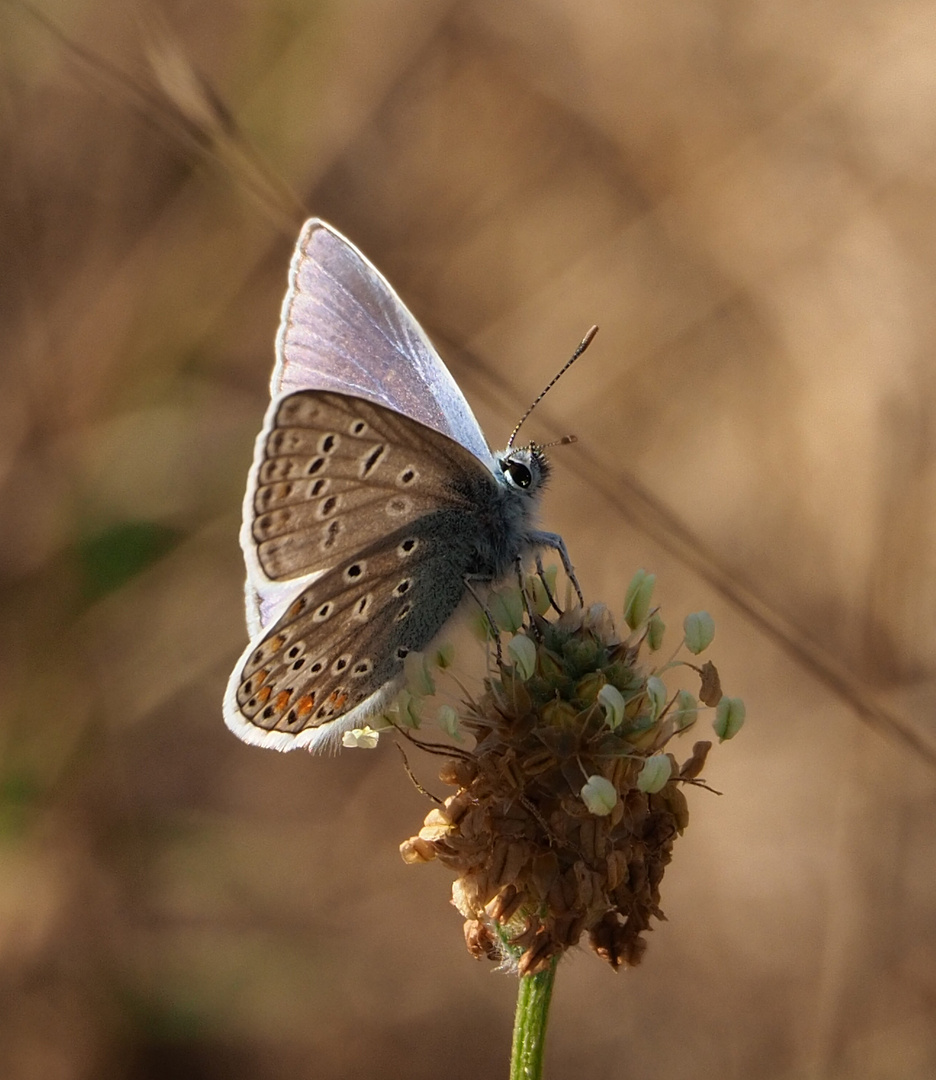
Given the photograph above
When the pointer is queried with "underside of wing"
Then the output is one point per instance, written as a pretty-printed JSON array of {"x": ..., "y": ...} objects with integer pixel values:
[
  {"x": 335, "y": 655},
  {"x": 344, "y": 328},
  {"x": 334, "y": 474}
]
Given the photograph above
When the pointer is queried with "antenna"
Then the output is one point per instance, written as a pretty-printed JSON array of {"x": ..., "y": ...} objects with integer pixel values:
[
  {"x": 583, "y": 345},
  {"x": 566, "y": 440}
]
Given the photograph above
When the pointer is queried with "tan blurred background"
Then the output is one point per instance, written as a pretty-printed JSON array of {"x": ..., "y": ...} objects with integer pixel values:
[{"x": 743, "y": 196}]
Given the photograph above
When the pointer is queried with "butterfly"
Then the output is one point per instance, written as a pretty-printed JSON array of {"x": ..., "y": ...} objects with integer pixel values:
[{"x": 373, "y": 505}]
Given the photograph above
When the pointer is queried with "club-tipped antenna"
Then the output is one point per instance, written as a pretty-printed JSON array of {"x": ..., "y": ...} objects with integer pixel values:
[
  {"x": 566, "y": 440},
  {"x": 583, "y": 345}
]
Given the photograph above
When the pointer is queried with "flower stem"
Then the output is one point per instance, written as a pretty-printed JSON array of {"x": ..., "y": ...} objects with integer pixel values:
[{"x": 535, "y": 993}]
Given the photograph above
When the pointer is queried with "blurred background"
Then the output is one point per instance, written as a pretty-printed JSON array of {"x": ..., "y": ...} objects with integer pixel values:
[{"x": 743, "y": 197}]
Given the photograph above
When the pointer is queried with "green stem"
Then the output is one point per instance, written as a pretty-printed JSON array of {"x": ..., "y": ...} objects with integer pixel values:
[{"x": 526, "y": 1060}]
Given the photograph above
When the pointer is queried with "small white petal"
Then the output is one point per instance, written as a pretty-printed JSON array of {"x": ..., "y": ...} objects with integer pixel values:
[
  {"x": 612, "y": 701},
  {"x": 599, "y": 796},
  {"x": 364, "y": 738}
]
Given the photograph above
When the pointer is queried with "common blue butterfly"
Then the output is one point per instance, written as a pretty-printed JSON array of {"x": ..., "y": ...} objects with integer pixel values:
[{"x": 372, "y": 505}]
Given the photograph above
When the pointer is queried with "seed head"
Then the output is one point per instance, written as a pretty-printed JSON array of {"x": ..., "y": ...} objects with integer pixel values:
[{"x": 565, "y": 813}]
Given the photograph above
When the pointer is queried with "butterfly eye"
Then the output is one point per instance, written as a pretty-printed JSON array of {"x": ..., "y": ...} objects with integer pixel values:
[{"x": 519, "y": 474}]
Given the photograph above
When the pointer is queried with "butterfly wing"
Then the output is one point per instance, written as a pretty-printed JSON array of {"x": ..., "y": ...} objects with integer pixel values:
[
  {"x": 332, "y": 475},
  {"x": 335, "y": 655},
  {"x": 371, "y": 501},
  {"x": 343, "y": 328}
]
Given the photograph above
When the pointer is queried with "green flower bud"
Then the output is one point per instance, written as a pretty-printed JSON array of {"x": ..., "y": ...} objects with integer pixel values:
[
  {"x": 478, "y": 625},
  {"x": 579, "y": 654},
  {"x": 559, "y": 714},
  {"x": 656, "y": 695},
  {"x": 729, "y": 718},
  {"x": 655, "y": 630},
  {"x": 407, "y": 708},
  {"x": 538, "y": 595},
  {"x": 444, "y": 656},
  {"x": 655, "y": 773},
  {"x": 588, "y": 688},
  {"x": 550, "y": 668},
  {"x": 448, "y": 721},
  {"x": 687, "y": 710},
  {"x": 523, "y": 654},
  {"x": 637, "y": 598},
  {"x": 418, "y": 678},
  {"x": 699, "y": 628},
  {"x": 506, "y": 607}
]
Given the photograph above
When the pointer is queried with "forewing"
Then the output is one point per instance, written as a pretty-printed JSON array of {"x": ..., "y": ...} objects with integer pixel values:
[
  {"x": 344, "y": 328},
  {"x": 335, "y": 656},
  {"x": 332, "y": 475}
]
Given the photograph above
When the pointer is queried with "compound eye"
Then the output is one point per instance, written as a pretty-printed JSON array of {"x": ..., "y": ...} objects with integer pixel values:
[{"x": 519, "y": 474}]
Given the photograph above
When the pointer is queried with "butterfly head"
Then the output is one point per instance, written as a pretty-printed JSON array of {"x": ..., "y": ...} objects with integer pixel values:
[{"x": 523, "y": 469}]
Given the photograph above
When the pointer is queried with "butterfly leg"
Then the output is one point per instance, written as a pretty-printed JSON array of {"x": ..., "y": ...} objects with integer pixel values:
[
  {"x": 555, "y": 541},
  {"x": 492, "y": 625},
  {"x": 541, "y": 573},
  {"x": 526, "y": 593}
]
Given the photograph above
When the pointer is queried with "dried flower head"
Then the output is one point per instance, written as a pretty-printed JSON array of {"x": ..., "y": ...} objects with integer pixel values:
[{"x": 565, "y": 812}]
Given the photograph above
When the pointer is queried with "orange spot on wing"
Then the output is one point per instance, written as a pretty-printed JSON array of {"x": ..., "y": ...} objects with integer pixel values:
[
  {"x": 337, "y": 699},
  {"x": 282, "y": 700},
  {"x": 297, "y": 607},
  {"x": 305, "y": 704},
  {"x": 263, "y": 694}
]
